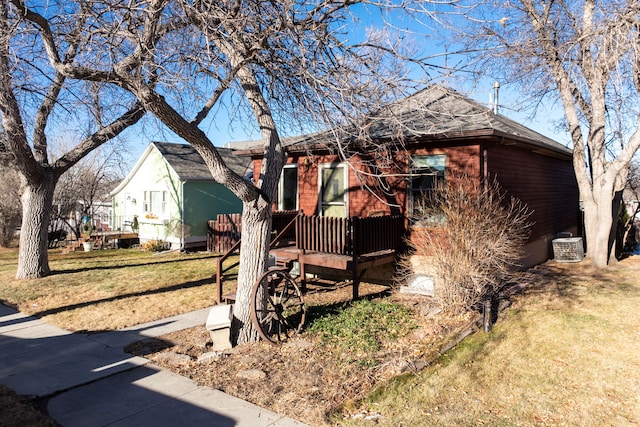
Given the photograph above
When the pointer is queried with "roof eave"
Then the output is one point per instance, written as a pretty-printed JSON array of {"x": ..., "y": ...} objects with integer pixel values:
[{"x": 539, "y": 147}]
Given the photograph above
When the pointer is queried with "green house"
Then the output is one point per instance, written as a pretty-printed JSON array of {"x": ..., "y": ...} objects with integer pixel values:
[{"x": 170, "y": 195}]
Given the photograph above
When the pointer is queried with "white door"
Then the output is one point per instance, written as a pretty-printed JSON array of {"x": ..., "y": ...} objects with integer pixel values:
[{"x": 127, "y": 217}]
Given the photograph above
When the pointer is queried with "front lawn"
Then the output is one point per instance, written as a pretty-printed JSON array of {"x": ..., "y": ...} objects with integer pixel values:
[
  {"x": 111, "y": 289},
  {"x": 566, "y": 353}
]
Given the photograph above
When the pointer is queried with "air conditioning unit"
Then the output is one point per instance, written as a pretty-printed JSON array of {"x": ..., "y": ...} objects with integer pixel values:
[{"x": 568, "y": 249}]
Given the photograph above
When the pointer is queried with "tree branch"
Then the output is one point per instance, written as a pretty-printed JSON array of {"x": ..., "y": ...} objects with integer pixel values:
[{"x": 129, "y": 118}]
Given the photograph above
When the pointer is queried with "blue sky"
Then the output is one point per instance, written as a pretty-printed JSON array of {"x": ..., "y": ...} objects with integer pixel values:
[{"x": 222, "y": 130}]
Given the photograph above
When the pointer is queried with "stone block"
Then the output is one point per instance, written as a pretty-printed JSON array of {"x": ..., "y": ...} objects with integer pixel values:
[
  {"x": 219, "y": 326},
  {"x": 421, "y": 285}
]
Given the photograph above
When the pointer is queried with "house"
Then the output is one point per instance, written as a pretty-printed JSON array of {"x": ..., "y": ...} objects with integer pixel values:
[
  {"x": 433, "y": 136},
  {"x": 170, "y": 194}
]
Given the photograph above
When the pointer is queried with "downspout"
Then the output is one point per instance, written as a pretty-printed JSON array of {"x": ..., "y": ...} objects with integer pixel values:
[
  {"x": 182, "y": 238},
  {"x": 484, "y": 173}
]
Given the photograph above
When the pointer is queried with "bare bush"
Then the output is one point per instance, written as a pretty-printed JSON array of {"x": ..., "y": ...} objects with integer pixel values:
[{"x": 471, "y": 239}]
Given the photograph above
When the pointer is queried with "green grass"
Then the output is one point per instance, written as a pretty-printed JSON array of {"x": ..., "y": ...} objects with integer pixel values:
[
  {"x": 111, "y": 289},
  {"x": 567, "y": 353},
  {"x": 357, "y": 330}
]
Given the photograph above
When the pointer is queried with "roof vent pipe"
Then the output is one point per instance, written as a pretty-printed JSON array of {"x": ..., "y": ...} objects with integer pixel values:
[{"x": 496, "y": 89}]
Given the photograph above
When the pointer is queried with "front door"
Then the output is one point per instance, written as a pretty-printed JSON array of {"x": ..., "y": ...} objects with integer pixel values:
[
  {"x": 333, "y": 190},
  {"x": 127, "y": 214}
]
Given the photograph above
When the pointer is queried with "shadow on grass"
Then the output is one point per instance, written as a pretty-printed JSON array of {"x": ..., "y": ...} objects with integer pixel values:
[
  {"x": 172, "y": 288},
  {"x": 566, "y": 282},
  {"x": 125, "y": 265}
]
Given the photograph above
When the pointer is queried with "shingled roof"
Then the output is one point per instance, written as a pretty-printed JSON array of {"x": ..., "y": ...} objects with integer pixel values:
[
  {"x": 188, "y": 163},
  {"x": 434, "y": 113},
  {"x": 437, "y": 110}
]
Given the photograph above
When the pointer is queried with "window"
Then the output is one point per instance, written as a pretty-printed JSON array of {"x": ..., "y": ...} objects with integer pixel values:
[
  {"x": 427, "y": 172},
  {"x": 288, "y": 188},
  {"x": 333, "y": 190},
  {"x": 155, "y": 204}
]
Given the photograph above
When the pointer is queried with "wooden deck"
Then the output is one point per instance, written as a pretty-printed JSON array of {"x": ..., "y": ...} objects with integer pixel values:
[
  {"x": 348, "y": 244},
  {"x": 108, "y": 239}
]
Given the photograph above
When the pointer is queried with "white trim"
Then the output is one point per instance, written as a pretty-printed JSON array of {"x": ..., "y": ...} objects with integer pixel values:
[
  {"x": 281, "y": 185},
  {"x": 138, "y": 165}
]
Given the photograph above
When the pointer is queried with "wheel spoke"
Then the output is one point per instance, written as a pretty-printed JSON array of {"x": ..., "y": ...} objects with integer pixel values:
[{"x": 284, "y": 312}]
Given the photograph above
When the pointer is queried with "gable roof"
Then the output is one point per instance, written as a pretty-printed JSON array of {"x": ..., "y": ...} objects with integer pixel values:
[
  {"x": 433, "y": 113},
  {"x": 188, "y": 164}
]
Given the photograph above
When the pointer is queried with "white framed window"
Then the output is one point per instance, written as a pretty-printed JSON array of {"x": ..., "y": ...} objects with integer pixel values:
[
  {"x": 426, "y": 173},
  {"x": 333, "y": 192},
  {"x": 155, "y": 204},
  {"x": 288, "y": 188}
]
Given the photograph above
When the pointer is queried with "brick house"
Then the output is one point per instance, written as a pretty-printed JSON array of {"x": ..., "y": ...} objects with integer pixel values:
[{"x": 434, "y": 135}]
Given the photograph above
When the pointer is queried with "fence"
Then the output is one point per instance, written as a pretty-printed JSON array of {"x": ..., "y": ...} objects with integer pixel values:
[{"x": 226, "y": 230}]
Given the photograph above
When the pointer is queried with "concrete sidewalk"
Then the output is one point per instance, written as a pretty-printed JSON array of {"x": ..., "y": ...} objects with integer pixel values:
[{"x": 88, "y": 380}]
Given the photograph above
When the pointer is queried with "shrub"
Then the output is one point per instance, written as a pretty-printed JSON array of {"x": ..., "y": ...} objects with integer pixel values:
[
  {"x": 472, "y": 240},
  {"x": 154, "y": 245}
]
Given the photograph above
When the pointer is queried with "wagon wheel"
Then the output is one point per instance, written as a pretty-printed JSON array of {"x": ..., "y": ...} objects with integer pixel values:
[{"x": 284, "y": 312}]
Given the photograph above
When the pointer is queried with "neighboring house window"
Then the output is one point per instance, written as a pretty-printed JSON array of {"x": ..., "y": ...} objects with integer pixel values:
[
  {"x": 288, "y": 188},
  {"x": 155, "y": 204},
  {"x": 427, "y": 172}
]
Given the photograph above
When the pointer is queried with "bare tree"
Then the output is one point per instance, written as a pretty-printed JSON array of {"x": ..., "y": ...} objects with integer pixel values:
[
  {"x": 288, "y": 64},
  {"x": 586, "y": 55},
  {"x": 81, "y": 188},
  {"x": 35, "y": 98}
]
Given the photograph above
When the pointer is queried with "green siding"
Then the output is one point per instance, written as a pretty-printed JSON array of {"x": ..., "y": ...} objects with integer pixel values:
[{"x": 204, "y": 201}]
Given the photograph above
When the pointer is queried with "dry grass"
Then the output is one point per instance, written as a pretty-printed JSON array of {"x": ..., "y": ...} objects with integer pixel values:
[
  {"x": 566, "y": 353},
  {"x": 107, "y": 290},
  {"x": 16, "y": 411}
]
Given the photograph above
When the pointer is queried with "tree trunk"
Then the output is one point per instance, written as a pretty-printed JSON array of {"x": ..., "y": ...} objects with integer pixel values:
[
  {"x": 33, "y": 258},
  {"x": 598, "y": 223},
  {"x": 254, "y": 251}
]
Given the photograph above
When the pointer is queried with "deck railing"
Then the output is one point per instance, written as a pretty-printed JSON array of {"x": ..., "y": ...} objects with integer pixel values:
[
  {"x": 225, "y": 231},
  {"x": 374, "y": 234},
  {"x": 349, "y": 236},
  {"x": 378, "y": 237},
  {"x": 324, "y": 234}
]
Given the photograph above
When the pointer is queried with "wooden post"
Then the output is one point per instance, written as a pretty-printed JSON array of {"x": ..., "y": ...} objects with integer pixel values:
[{"x": 486, "y": 314}]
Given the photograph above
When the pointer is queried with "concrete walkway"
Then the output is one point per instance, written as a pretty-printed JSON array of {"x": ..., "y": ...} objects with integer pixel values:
[{"x": 88, "y": 380}]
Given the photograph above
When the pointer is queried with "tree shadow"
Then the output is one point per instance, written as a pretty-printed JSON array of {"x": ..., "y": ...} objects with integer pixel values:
[
  {"x": 84, "y": 379},
  {"x": 185, "y": 285},
  {"x": 119, "y": 266}
]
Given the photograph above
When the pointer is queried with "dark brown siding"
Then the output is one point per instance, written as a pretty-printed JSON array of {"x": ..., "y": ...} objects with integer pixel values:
[{"x": 546, "y": 184}]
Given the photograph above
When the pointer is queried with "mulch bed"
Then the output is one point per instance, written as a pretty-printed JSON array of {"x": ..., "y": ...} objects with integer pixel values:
[{"x": 305, "y": 379}]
